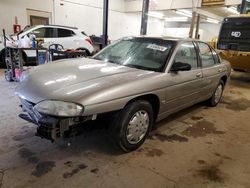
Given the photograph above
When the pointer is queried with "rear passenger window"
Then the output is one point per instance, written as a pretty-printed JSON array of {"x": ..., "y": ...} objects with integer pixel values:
[
  {"x": 187, "y": 54},
  {"x": 206, "y": 54},
  {"x": 65, "y": 33}
]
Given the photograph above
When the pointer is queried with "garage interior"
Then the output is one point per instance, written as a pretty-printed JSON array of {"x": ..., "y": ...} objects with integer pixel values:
[{"x": 196, "y": 147}]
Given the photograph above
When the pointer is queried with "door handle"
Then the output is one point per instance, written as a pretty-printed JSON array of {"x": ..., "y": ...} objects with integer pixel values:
[{"x": 199, "y": 75}]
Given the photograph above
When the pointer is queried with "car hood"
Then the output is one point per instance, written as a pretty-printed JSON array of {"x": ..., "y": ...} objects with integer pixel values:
[{"x": 72, "y": 79}]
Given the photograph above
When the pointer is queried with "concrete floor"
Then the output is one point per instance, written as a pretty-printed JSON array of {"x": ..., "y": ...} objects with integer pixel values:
[{"x": 198, "y": 147}]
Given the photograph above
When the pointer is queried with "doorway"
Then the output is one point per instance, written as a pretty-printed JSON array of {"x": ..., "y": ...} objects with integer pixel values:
[
  {"x": 37, "y": 17},
  {"x": 37, "y": 20}
]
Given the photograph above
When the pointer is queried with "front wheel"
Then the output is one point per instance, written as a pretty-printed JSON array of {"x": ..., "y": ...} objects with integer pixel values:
[
  {"x": 216, "y": 97},
  {"x": 133, "y": 124}
]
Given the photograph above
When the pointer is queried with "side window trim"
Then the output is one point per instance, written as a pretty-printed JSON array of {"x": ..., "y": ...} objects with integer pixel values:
[
  {"x": 215, "y": 54},
  {"x": 56, "y": 32},
  {"x": 197, "y": 54}
]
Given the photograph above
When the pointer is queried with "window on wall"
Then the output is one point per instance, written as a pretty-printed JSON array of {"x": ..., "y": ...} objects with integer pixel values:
[
  {"x": 206, "y": 54},
  {"x": 187, "y": 54},
  {"x": 65, "y": 33}
]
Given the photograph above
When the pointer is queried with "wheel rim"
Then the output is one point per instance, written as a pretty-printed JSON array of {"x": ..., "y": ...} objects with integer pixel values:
[
  {"x": 218, "y": 94},
  {"x": 137, "y": 127}
]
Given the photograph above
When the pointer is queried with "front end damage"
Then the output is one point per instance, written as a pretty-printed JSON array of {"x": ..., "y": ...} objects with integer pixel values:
[{"x": 51, "y": 127}]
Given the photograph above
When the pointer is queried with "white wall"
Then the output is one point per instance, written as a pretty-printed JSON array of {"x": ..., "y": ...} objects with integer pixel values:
[
  {"x": 136, "y": 5},
  {"x": 207, "y": 30},
  {"x": 11, "y": 8},
  {"x": 87, "y": 15}
]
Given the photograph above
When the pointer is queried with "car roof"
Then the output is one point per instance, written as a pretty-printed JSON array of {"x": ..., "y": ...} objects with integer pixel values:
[
  {"x": 177, "y": 39},
  {"x": 60, "y": 26}
]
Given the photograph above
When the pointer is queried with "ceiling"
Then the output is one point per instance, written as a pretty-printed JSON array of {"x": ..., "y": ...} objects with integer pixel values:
[{"x": 218, "y": 13}]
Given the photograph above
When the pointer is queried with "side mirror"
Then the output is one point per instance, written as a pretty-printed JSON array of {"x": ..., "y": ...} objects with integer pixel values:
[{"x": 179, "y": 66}]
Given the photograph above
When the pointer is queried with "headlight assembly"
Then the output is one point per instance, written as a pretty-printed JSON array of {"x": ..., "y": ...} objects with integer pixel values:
[{"x": 59, "y": 108}]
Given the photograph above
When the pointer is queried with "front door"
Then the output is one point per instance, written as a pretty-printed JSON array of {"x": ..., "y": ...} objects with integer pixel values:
[{"x": 186, "y": 85}]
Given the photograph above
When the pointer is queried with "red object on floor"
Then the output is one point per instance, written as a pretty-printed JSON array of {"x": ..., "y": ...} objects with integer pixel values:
[{"x": 18, "y": 73}]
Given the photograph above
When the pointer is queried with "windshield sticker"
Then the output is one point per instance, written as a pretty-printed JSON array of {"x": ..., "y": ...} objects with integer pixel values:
[{"x": 157, "y": 47}]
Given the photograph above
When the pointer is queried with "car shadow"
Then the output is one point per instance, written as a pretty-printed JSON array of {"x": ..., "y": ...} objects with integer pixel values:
[
  {"x": 96, "y": 135},
  {"x": 180, "y": 116}
]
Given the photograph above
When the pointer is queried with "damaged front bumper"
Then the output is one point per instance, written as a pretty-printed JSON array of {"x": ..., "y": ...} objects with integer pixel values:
[{"x": 50, "y": 127}]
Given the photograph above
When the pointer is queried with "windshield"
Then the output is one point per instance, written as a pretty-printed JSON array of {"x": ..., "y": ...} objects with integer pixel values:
[
  {"x": 26, "y": 28},
  {"x": 142, "y": 53}
]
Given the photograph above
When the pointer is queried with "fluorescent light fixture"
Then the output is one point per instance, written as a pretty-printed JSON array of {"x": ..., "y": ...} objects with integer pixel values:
[
  {"x": 156, "y": 14},
  {"x": 184, "y": 13},
  {"x": 176, "y": 19},
  {"x": 232, "y": 10},
  {"x": 212, "y": 20}
]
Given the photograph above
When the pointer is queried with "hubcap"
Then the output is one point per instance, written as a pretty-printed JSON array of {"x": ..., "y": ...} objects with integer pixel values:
[
  {"x": 218, "y": 94},
  {"x": 137, "y": 127}
]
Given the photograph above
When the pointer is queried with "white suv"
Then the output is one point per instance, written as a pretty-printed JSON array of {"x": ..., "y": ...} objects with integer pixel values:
[{"x": 68, "y": 37}]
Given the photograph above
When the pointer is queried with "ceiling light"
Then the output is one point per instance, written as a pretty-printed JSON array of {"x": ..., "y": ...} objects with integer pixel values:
[
  {"x": 184, "y": 13},
  {"x": 232, "y": 10},
  {"x": 156, "y": 14},
  {"x": 176, "y": 19},
  {"x": 212, "y": 20}
]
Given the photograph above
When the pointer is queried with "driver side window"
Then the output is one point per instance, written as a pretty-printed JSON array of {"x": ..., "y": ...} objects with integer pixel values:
[
  {"x": 187, "y": 54},
  {"x": 44, "y": 32}
]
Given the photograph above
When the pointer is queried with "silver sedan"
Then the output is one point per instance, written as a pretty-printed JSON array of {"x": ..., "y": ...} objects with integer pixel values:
[{"x": 137, "y": 80}]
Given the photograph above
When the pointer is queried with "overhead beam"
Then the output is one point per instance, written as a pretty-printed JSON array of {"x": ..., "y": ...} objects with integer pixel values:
[
  {"x": 144, "y": 17},
  {"x": 105, "y": 23},
  {"x": 197, "y": 36},
  {"x": 191, "y": 29}
]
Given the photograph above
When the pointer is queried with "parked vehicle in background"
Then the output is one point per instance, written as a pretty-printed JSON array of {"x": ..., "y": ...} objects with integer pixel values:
[
  {"x": 138, "y": 80},
  {"x": 234, "y": 41},
  {"x": 68, "y": 37}
]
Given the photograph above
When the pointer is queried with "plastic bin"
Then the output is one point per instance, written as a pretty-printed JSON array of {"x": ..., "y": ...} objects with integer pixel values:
[{"x": 41, "y": 58}]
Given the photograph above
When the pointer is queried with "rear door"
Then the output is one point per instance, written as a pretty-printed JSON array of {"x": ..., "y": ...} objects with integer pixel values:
[
  {"x": 211, "y": 67},
  {"x": 66, "y": 38},
  {"x": 186, "y": 85}
]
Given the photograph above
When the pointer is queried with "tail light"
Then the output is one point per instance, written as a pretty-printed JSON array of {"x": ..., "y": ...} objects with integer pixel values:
[{"x": 89, "y": 41}]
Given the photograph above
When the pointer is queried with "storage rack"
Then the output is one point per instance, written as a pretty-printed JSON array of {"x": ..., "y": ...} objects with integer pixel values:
[{"x": 13, "y": 60}]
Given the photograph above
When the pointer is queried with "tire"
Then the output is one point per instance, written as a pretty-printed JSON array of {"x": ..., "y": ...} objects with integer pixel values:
[
  {"x": 216, "y": 97},
  {"x": 132, "y": 125}
]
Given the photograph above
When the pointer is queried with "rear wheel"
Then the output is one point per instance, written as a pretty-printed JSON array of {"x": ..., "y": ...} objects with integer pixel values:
[
  {"x": 215, "y": 99},
  {"x": 133, "y": 124}
]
